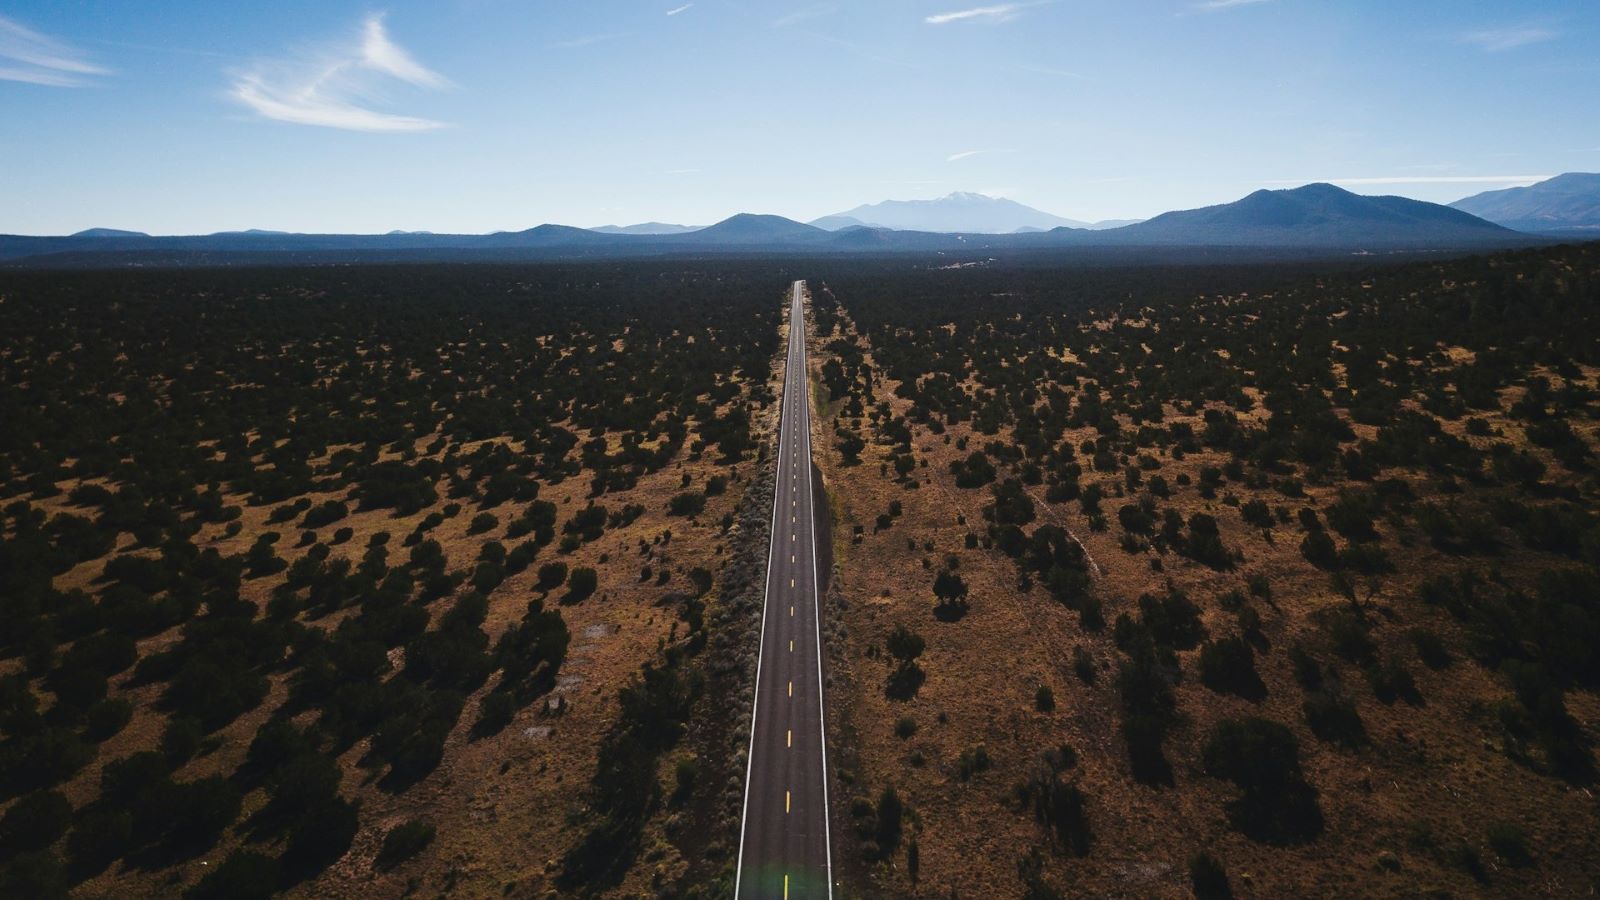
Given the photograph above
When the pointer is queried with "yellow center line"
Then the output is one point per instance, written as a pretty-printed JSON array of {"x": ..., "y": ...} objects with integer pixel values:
[
  {"x": 791, "y": 689},
  {"x": 786, "y": 887}
]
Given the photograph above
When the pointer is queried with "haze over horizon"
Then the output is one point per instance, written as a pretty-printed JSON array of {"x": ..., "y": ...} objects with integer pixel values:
[{"x": 474, "y": 117}]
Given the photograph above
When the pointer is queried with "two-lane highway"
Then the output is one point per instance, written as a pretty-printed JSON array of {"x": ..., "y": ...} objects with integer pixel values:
[{"x": 783, "y": 842}]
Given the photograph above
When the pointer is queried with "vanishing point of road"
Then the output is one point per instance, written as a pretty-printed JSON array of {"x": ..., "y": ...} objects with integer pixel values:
[{"x": 783, "y": 841}]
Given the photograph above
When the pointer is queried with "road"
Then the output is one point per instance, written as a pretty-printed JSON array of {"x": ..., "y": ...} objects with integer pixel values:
[{"x": 783, "y": 841}]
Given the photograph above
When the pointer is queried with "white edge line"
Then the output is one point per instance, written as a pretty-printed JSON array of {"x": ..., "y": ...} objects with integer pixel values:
[
  {"x": 816, "y": 600},
  {"x": 761, "y": 638}
]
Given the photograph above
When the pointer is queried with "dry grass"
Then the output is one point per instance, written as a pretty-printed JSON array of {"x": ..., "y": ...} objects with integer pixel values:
[{"x": 1433, "y": 776}]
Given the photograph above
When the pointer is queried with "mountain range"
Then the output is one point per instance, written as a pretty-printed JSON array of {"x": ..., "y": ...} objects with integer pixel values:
[
  {"x": 1313, "y": 219},
  {"x": 1569, "y": 202},
  {"x": 958, "y": 213}
]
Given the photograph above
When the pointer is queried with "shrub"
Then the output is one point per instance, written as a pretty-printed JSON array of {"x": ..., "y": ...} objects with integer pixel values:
[
  {"x": 904, "y": 644},
  {"x": 98, "y": 837},
  {"x": 482, "y": 522},
  {"x": 1430, "y": 648},
  {"x": 324, "y": 514},
  {"x": 1510, "y": 843},
  {"x": 494, "y": 713},
  {"x": 1319, "y": 550},
  {"x": 319, "y": 839},
  {"x": 38, "y": 874},
  {"x": 1333, "y": 718},
  {"x": 1229, "y": 666},
  {"x": 1207, "y": 877},
  {"x": 1083, "y": 664},
  {"x": 106, "y": 718},
  {"x": 1256, "y": 513},
  {"x": 34, "y": 822},
  {"x": 972, "y": 761},
  {"x": 581, "y": 584},
  {"x": 905, "y": 727},
  {"x": 1044, "y": 700},
  {"x": 1262, "y": 758},
  {"x": 402, "y": 842},
  {"x": 890, "y": 814},
  {"x": 689, "y": 503},
  {"x": 180, "y": 740},
  {"x": 244, "y": 875},
  {"x": 551, "y": 575}
]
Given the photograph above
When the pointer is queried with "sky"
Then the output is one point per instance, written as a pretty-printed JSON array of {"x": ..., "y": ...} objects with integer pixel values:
[{"x": 484, "y": 115}]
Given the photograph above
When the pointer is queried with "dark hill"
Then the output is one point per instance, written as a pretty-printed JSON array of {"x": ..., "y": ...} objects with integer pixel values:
[{"x": 1316, "y": 215}]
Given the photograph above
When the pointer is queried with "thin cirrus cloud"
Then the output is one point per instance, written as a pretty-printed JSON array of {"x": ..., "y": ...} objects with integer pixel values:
[
  {"x": 338, "y": 85},
  {"x": 1499, "y": 40},
  {"x": 676, "y": 10},
  {"x": 993, "y": 15},
  {"x": 30, "y": 57},
  {"x": 804, "y": 14},
  {"x": 968, "y": 154},
  {"x": 1219, "y": 5}
]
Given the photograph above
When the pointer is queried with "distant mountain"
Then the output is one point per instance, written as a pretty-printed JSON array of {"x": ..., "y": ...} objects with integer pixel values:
[
  {"x": 1317, "y": 219},
  {"x": 1316, "y": 215},
  {"x": 108, "y": 233},
  {"x": 960, "y": 212},
  {"x": 1106, "y": 224},
  {"x": 839, "y": 223},
  {"x": 1565, "y": 202},
  {"x": 545, "y": 236},
  {"x": 646, "y": 228},
  {"x": 751, "y": 228}
]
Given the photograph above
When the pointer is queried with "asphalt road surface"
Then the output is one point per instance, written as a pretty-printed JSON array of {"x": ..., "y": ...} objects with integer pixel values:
[{"x": 783, "y": 843}]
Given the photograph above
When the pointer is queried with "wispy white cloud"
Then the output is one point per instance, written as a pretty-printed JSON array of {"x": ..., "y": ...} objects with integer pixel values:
[
  {"x": 28, "y": 56},
  {"x": 1002, "y": 12},
  {"x": 1514, "y": 180},
  {"x": 805, "y": 13},
  {"x": 968, "y": 154},
  {"x": 675, "y": 11},
  {"x": 1509, "y": 37},
  {"x": 1218, "y": 5},
  {"x": 337, "y": 86}
]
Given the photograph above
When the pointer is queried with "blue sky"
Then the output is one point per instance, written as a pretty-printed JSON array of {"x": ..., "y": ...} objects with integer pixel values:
[{"x": 478, "y": 115}]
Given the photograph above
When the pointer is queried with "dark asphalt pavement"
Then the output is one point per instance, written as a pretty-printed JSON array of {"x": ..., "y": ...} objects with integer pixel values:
[{"x": 783, "y": 844}]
